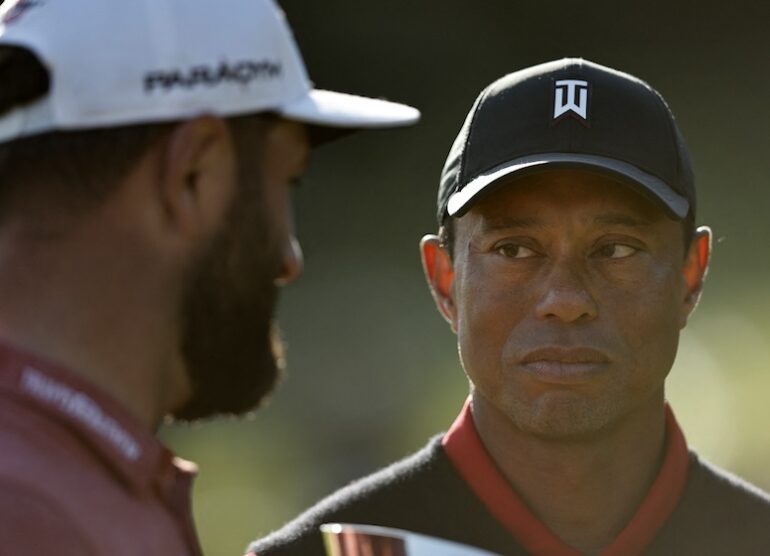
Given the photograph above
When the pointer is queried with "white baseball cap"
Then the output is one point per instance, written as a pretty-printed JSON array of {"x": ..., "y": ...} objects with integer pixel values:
[{"x": 115, "y": 63}]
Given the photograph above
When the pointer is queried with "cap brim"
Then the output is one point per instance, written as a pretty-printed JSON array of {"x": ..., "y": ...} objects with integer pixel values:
[
  {"x": 341, "y": 110},
  {"x": 461, "y": 201}
]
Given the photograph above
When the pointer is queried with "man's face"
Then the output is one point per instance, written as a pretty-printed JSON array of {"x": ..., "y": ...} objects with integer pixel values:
[
  {"x": 230, "y": 344},
  {"x": 568, "y": 298}
]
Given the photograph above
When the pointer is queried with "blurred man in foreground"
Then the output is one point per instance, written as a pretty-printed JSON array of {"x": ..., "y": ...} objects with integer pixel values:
[
  {"x": 147, "y": 152},
  {"x": 567, "y": 262}
]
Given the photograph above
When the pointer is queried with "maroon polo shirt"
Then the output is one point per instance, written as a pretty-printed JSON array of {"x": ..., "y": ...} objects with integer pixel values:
[
  {"x": 80, "y": 475},
  {"x": 467, "y": 453}
]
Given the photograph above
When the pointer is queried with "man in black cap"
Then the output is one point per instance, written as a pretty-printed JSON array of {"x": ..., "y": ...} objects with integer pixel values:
[{"x": 567, "y": 262}]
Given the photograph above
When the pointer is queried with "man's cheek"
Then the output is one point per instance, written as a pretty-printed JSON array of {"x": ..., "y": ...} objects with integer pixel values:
[{"x": 483, "y": 331}]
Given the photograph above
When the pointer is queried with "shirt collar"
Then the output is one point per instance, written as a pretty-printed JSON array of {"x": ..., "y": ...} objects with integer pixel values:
[
  {"x": 467, "y": 453},
  {"x": 126, "y": 446}
]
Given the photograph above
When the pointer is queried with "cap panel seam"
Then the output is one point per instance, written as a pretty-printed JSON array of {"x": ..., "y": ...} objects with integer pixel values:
[
  {"x": 479, "y": 102},
  {"x": 671, "y": 125}
]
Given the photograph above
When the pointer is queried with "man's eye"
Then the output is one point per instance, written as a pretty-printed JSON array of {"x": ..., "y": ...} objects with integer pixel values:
[
  {"x": 514, "y": 251},
  {"x": 617, "y": 251}
]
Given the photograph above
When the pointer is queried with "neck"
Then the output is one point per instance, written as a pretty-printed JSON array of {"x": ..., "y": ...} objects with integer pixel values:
[
  {"x": 584, "y": 490},
  {"x": 76, "y": 304}
]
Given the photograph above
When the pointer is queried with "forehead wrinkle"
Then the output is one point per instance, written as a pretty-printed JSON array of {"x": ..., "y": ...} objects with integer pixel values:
[
  {"x": 501, "y": 223},
  {"x": 510, "y": 223},
  {"x": 625, "y": 220}
]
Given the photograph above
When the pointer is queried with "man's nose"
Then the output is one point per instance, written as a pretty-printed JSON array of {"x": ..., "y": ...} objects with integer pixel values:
[
  {"x": 566, "y": 295},
  {"x": 291, "y": 262}
]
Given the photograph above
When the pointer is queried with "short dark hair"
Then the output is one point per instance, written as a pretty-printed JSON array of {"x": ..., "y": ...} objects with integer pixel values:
[{"x": 74, "y": 169}]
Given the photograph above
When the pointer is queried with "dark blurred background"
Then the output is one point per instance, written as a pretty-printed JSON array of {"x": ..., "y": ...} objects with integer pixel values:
[{"x": 373, "y": 370}]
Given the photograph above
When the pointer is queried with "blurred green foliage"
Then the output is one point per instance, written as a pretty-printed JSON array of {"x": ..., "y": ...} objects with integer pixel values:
[{"x": 373, "y": 370}]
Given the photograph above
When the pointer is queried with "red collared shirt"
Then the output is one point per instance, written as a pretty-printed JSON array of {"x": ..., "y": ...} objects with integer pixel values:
[
  {"x": 467, "y": 453},
  {"x": 80, "y": 475}
]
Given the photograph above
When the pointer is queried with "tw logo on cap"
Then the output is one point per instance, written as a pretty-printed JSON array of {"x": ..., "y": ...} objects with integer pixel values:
[{"x": 570, "y": 98}]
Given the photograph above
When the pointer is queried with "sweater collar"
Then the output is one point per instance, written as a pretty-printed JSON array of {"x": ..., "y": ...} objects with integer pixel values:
[{"x": 470, "y": 458}]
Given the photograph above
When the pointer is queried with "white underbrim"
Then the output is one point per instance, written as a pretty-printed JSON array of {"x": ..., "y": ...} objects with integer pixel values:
[
  {"x": 321, "y": 108},
  {"x": 460, "y": 202},
  {"x": 332, "y": 109}
]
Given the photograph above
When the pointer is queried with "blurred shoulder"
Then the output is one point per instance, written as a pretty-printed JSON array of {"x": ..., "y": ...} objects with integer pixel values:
[{"x": 33, "y": 523}]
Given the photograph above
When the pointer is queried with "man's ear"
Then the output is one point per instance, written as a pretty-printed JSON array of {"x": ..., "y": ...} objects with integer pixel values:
[
  {"x": 695, "y": 268},
  {"x": 439, "y": 272},
  {"x": 199, "y": 176}
]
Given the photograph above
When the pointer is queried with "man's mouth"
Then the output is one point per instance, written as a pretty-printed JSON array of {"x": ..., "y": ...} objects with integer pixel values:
[{"x": 561, "y": 365}]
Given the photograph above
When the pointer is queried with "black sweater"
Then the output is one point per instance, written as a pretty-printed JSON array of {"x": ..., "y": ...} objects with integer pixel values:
[{"x": 718, "y": 514}]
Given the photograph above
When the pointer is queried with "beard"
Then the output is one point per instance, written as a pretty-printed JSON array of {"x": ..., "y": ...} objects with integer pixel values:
[{"x": 230, "y": 344}]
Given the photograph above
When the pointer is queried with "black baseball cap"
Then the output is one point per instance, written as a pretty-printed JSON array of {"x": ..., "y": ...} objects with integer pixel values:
[{"x": 569, "y": 113}]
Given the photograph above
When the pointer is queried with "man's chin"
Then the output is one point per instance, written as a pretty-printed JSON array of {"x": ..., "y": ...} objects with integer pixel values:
[
  {"x": 203, "y": 405},
  {"x": 235, "y": 387},
  {"x": 576, "y": 419}
]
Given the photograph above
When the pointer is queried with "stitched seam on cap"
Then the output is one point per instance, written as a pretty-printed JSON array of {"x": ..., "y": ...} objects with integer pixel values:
[
  {"x": 479, "y": 102},
  {"x": 669, "y": 115}
]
